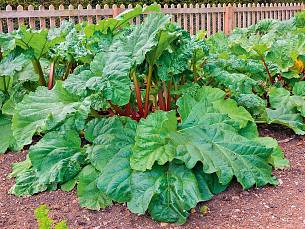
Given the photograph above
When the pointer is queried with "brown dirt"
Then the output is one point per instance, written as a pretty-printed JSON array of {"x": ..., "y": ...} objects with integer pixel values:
[{"x": 269, "y": 207}]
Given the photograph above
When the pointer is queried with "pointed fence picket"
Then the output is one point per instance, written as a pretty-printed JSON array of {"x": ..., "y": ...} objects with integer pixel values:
[{"x": 211, "y": 18}]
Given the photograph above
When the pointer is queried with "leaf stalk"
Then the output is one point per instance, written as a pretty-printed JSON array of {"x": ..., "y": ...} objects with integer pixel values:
[
  {"x": 38, "y": 70},
  {"x": 138, "y": 93},
  {"x": 148, "y": 86}
]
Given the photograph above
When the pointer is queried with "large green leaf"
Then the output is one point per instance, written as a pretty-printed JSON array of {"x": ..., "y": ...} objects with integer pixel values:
[
  {"x": 42, "y": 110},
  {"x": 168, "y": 192},
  {"x": 286, "y": 109},
  {"x": 225, "y": 152},
  {"x": 110, "y": 154},
  {"x": 7, "y": 42},
  {"x": 20, "y": 167},
  {"x": 114, "y": 179},
  {"x": 120, "y": 21},
  {"x": 78, "y": 84},
  {"x": 6, "y": 134},
  {"x": 37, "y": 40},
  {"x": 57, "y": 157},
  {"x": 208, "y": 183},
  {"x": 299, "y": 88},
  {"x": 277, "y": 158},
  {"x": 151, "y": 141},
  {"x": 209, "y": 134},
  {"x": 27, "y": 184},
  {"x": 28, "y": 72},
  {"x": 128, "y": 15},
  {"x": 165, "y": 38},
  {"x": 88, "y": 194},
  {"x": 110, "y": 69},
  {"x": 208, "y": 105},
  {"x": 109, "y": 136},
  {"x": 281, "y": 54},
  {"x": 10, "y": 65},
  {"x": 175, "y": 60}
]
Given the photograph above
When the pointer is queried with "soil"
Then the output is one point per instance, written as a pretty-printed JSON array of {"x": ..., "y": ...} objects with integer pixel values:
[{"x": 282, "y": 206}]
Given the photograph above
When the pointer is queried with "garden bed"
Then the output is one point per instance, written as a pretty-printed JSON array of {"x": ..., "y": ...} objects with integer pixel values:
[{"x": 269, "y": 207}]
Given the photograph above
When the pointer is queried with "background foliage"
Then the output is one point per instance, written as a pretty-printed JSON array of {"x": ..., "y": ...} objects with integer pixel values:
[{"x": 36, "y": 3}]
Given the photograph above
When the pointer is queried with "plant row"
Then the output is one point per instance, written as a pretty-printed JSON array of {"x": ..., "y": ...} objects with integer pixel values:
[{"x": 148, "y": 115}]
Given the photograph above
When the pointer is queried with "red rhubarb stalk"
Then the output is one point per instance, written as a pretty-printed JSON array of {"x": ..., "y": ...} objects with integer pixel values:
[
  {"x": 149, "y": 79},
  {"x": 161, "y": 100},
  {"x": 51, "y": 76},
  {"x": 267, "y": 69},
  {"x": 138, "y": 93}
]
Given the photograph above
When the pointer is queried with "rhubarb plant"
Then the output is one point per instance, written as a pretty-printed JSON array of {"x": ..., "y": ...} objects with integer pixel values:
[
  {"x": 259, "y": 64},
  {"x": 33, "y": 60},
  {"x": 135, "y": 124}
]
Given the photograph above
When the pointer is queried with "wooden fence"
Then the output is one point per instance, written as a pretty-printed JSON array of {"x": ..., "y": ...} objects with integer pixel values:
[{"x": 212, "y": 18}]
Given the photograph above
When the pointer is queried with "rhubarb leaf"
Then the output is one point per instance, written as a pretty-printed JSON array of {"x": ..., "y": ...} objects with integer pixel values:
[
  {"x": 286, "y": 110},
  {"x": 110, "y": 153},
  {"x": 168, "y": 192},
  {"x": 42, "y": 110},
  {"x": 152, "y": 141},
  {"x": 6, "y": 134},
  {"x": 88, "y": 194},
  {"x": 57, "y": 157}
]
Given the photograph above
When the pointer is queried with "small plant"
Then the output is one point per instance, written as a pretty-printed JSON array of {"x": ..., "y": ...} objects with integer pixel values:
[{"x": 43, "y": 220}]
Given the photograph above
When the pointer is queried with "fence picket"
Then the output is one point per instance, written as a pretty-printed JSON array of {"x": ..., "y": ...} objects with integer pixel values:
[
  {"x": 42, "y": 20},
  {"x": 202, "y": 17},
  {"x": 185, "y": 18},
  {"x": 179, "y": 18},
  {"x": 31, "y": 19},
  {"x": 52, "y": 19},
  {"x": 208, "y": 21},
  {"x": 89, "y": 18},
  {"x": 10, "y": 25}
]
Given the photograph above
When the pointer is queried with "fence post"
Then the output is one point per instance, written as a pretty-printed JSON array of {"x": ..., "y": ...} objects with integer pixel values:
[
  {"x": 229, "y": 19},
  {"x": 302, "y": 6}
]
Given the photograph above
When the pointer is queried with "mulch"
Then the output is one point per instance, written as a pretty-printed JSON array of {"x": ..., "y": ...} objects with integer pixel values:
[{"x": 271, "y": 207}]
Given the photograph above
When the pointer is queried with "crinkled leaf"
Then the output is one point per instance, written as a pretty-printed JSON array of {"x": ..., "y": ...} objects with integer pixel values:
[
  {"x": 6, "y": 134},
  {"x": 20, "y": 167},
  {"x": 168, "y": 192},
  {"x": 42, "y": 110},
  {"x": 114, "y": 179},
  {"x": 209, "y": 134},
  {"x": 77, "y": 84},
  {"x": 252, "y": 102},
  {"x": 69, "y": 185},
  {"x": 208, "y": 183},
  {"x": 207, "y": 105},
  {"x": 88, "y": 194},
  {"x": 277, "y": 158},
  {"x": 57, "y": 157},
  {"x": 27, "y": 184},
  {"x": 299, "y": 88},
  {"x": 110, "y": 154},
  {"x": 175, "y": 61},
  {"x": 225, "y": 152},
  {"x": 235, "y": 112},
  {"x": 10, "y": 65},
  {"x": 286, "y": 109},
  {"x": 111, "y": 68},
  {"x": 151, "y": 141},
  {"x": 38, "y": 40},
  {"x": 27, "y": 73}
]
